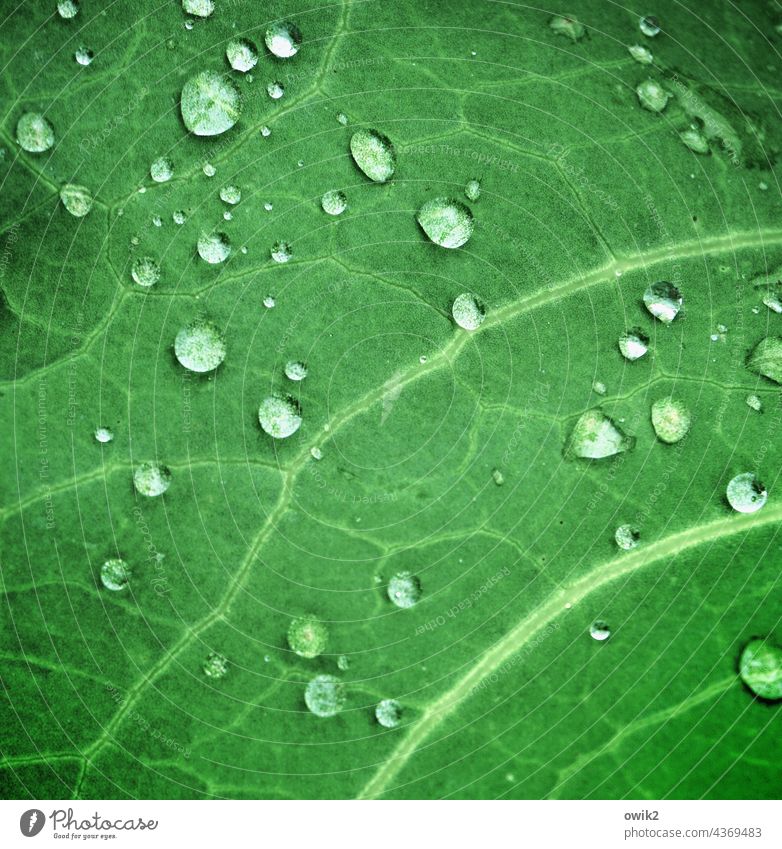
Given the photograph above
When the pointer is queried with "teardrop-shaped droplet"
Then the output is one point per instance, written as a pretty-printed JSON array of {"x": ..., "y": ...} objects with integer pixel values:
[
  {"x": 34, "y": 133},
  {"x": 115, "y": 574},
  {"x": 374, "y": 154},
  {"x": 214, "y": 248},
  {"x": 242, "y": 54},
  {"x": 641, "y": 54},
  {"x": 200, "y": 346},
  {"x": 468, "y": 312},
  {"x": 652, "y": 96},
  {"x": 404, "y": 589},
  {"x": 663, "y": 300},
  {"x": 76, "y": 199},
  {"x": 151, "y": 479},
  {"x": 766, "y": 358},
  {"x": 280, "y": 416},
  {"x": 162, "y": 169},
  {"x": 325, "y": 695},
  {"x": 388, "y": 713},
  {"x": 283, "y": 40},
  {"x": 760, "y": 667},
  {"x": 308, "y": 636},
  {"x": 145, "y": 271},
  {"x": 210, "y": 104},
  {"x": 746, "y": 494},
  {"x": 334, "y": 202},
  {"x": 671, "y": 420},
  {"x": 596, "y": 436},
  {"x": 446, "y": 222}
]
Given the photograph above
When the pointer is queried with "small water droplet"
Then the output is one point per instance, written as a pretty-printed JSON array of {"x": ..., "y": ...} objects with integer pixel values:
[
  {"x": 404, "y": 589},
  {"x": 151, "y": 479},
  {"x": 695, "y": 140},
  {"x": 210, "y": 104},
  {"x": 641, "y": 54},
  {"x": 447, "y": 222},
  {"x": 746, "y": 494},
  {"x": 652, "y": 96},
  {"x": 215, "y": 665},
  {"x": 307, "y": 636},
  {"x": 599, "y": 387},
  {"x": 115, "y": 574},
  {"x": 162, "y": 169},
  {"x": 268, "y": 207},
  {"x": 599, "y": 630},
  {"x": 103, "y": 434},
  {"x": 295, "y": 370},
  {"x": 663, "y": 300},
  {"x": 567, "y": 26},
  {"x": 316, "y": 453},
  {"x": 763, "y": 186},
  {"x": 84, "y": 56},
  {"x": 200, "y": 346},
  {"x": 596, "y": 436},
  {"x": 422, "y": 359},
  {"x": 671, "y": 420},
  {"x": 342, "y": 118},
  {"x": 343, "y": 663},
  {"x": 76, "y": 199},
  {"x": 281, "y": 252},
  {"x": 269, "y": 302},
  {"x": 228, "y": 216},
  {"x": 265, "y": 131},
  {"x": 334, "y": 202},
  {"x": 627, "y": 537},
  {"x": 649, "y": 25},
  {"x": 388, "y": 713},
  {"x": 468, "y": 312},
  {"x": 275, "y": 90},
  {"x": 34, "y": 133},
  {"x": 283, "y": 40},
  {"x": 498, "y": 477},
  {"x": 230, "y": 194},
  {"x": 754, "y": 402},
  {"x": 188, "y": 25},
  {"x": 766, "y": 358},
  {"x": 179, "y": 217},
  {"x": 68, "y": 9},
  {"x": 325, "y": 695},
  {"x": 374, "y": 154},
  {"x": 473, "y": 190},
  {"x": 157, "y": 221},
  {"x": 280, "y": 416},
  {"x": 214, "y": 248},
  {"x": 242, "y": 54},
  {"x": 760, "y": 668},
  {"x": 145, "y": 271}
]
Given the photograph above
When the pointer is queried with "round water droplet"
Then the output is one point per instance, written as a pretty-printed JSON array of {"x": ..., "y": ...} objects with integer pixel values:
[
  {"x": 389, "y": 713},
  {"x": 342, "y": 118},
  {"x": 567, "y": 26},
  {"x": 627, "y": 537},
  {"x": 275, "y": 90},
  {"x": 230, "y": 194},
  {"x": 103, "y": 434},
  {"x": 269, "y": 302},
  {"x": 596, "y": 436},
  {"x": 599, "y": 387},
  {"x": 695, "y": 140},
  {"x": 151, "y": 479},
  {"x": 663, "y": 300},
  {"x": 115, "y": 574},
  {"x": 281, "y": 252},
  {"x": 215, "y": 665},
  {"x": 468, "y": 312},
  {"x": 649, "y": 25},
  {"x": 760, "y": 667},
  {"x": 84, "y": 56},
  {"x": 316, "y": 453},
  {"x": 210, "y": 104},
  {"x": 374, "y": 154},
  {"x": 754, "y": 402},
  {"x": 162, "y": 169},
  {"x": 265, "y": 131},
  {"x": 76, "y": 199},
  {"x": 473, "y": 190},
  {"x": 599, "y": 630},
  {"x": 652, "y": 96},
  {"x": 446, "y": 222},
  {"x": 343, "y": 663},
  {"x": 200, "y": 346},
  {"x": 34, "y": 133},
  {"x": 633, "y": 344},
  {"x": 671, "y": 420},
  {"x": 209, "y": 169},
  {"x": 283, "y": 40},
  {"x": 404, "y": 589},
  {"x": 280, "y": 416},
  {"x": 268, "y": 207},
  {"x": 641, "y": 54},
  {"x": 199, "y": 8},
  {"x": 746, "y": 494},
  {"x": 325, "y": 695},
  {"x": 179, "y": 217},
  {"x": 498, "y": 477},
  {"x": 68, "y": 9},
  {"x": 334, "y": 202},
  {"x": 145, "y": 271},
  {"x": 308, "y": 636},
  {"x": 214, "y": 247},
  {"x": 242, "y": 54},
  {"x": 295, "y": 370}
]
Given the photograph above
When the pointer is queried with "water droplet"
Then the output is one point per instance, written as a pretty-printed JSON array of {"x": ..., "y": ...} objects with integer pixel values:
[
  {"x": 283, "y": 40},
  {"x": 374, "y": 154},
  {"x": 746, "y": 494},
  {"x": 228, "y": 216},
  {"x": 316, "y": 453},
  {"x": 342, "y": 118},
  {"x": 179, "y": 217},
  {"x": 671, "y": 420},
  {"x": 280, "y": 416},
  {"x": 663, "y": 300},
  {"x": 695, "y": 140},
  {"x": 295, "y": 370},
  {"x": 760, "y": 668},
  {"x": 498, "y": 477},
  {"x": 269, "y": 302},
  {"x": 275, "y": 90},
  {"x": 157, "y": 221},
  {"x": 215, "y": 665},
  {"x": 281, "y": 252},
  {"x": 230, "y": 194},
  {"x": 268, "y": 207},
  {"x": 200, "y": 346},
  {"x": 209, "y": 169},
  {"x": 567, "y": 26},
  {"x": 214, "y": 247},
  {"x": 188, "y": 25},
  {"x": 162, "y": 169},
  {"x": 76, "y": 199},
  {"x": 151, "y": 479},
  {"x": 772, "y": 301},
  {"x": 649, "y": 25},
  {"x": 627, "y": 537},
  {"x": 210, "y": 104},
  {"x": 599, "y": 387},
  {"x": 596, "y": 436},
  {"x": 423, "y": 359},
  {"x": 766, "y": 358},
  {"x": 641, "y": 54},
  {"x": 84, "y": 56},
  {"x": 389, "y": 713},
  {"x": 115, "y": 574},
  {"x": 468, "y": 312},
  {"x": 265, "y": 131},
  {"x": 446, "y": 222},
  {"x": 242, "y": 54},
  {"x": 103, "y": 434},
  {"x": 199, "y": 8},
  {"x": 145, "y": 271},
  {"x": 334, "y": 202},
  {"x": 599, "y": 630},
  {"x": 343, "y": 663},
  {"x": 68, "y": 9},
  {"x": 308, "y": 636},
  {"x": 404, "y": 589},
  {"x": 763, "y": 186},
  {"x": 652, "y": 96},
  {"x": 325, "y": 695},
  {"x": 473, "y": 190},
  {"x": 34, "y": 133},
  {"x": 754, "y": 403}
]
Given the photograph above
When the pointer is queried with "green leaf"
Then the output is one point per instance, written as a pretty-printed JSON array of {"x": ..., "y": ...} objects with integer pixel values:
[{"x": 443, "y": 451}]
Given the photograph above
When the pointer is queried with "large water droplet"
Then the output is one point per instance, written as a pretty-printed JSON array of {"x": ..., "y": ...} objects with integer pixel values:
[
  {"x": 115, "y": 574},
  {"x": 334, "y": 202},
  {"x": 671, "y": 420},
  {"x": 652, "y": 96},
  {"x": 215, "y": 665},
  {"x": 151, "y": 479},
  {"x": 199, "y": 8},
  {"x": 211, "y": 104},
  {"x": 641, "y": 54},
  {"x": 162, "y": 169},
  {"x": 68, "y": 9},
  {"x": 325, "y": 695},
  {"x": 283, "y": 40},
  {"x": 214, "y": 247},
  {"x": 404, "y": 589},
  {"x": 468, "y": 312},
  {"x": 374, "y": 154},
  {"x": 649, "y": 25},
  {"x": 103, "y": 434},
  {"x": 84, "y": 56},
  {"x": 746, "y": 494},
  {"x": 754, "y": 403},
  {"x": 663, "y": 300},
  {"x": 599, "y": 630},
  {"x": 242, "y": 54},
  {"x": 280, "y": 416},
  {"x": 34, "y": 133},
  {"x": 567, "y": 26},
  {"x": 295, "y": 370},
  {"x": 281, "y": 252},
  {"x": 766, "y": 358},
  {"x": 627, "y": 537},
  {"x": 145, "y": 271},
  {"x": 200, "y": 346},
  {"x": 596, "y": 436},
  {"x": 230, "y": 194},
  {"x": 308, "y": 636},
  {"x": 760, "y": 667},
  {"x": 76, "y": 199},
  {"x": 446, "y": 222},
  {"x": 389, "y": 713},
  {"x": 472, "y": 190}
]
